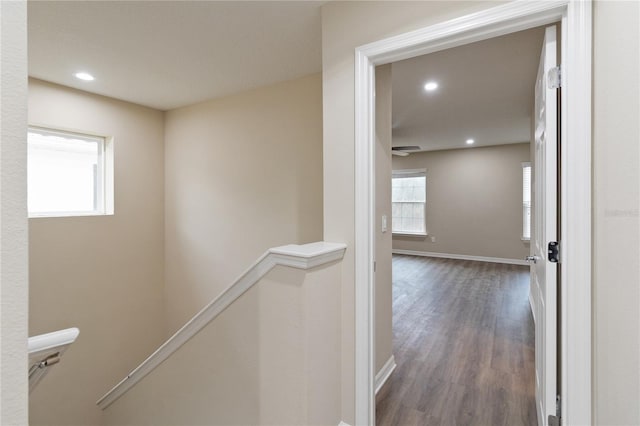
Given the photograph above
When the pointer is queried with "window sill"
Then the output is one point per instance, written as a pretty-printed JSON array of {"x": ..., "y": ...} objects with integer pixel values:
[
  {"x": 409, "y": 234},
  {"x": 67, "y": 214}
]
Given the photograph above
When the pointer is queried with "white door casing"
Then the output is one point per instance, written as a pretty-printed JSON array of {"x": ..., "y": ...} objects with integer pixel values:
[{"x": 543, "y": 272}]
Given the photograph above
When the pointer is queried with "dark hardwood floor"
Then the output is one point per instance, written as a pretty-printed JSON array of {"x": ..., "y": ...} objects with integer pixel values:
[{"x": 463, "y": 344}]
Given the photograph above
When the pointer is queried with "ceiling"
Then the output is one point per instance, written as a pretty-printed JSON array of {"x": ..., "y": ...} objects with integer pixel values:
[
  {"x": 485, "y": 93},
  {"x": 167, "y": 54}
]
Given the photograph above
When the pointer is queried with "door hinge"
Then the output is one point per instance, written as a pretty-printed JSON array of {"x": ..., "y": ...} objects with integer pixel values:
[
  {"x": 555, "y": 420},
  {"x": 554, "y": 78},
  {"x": 553, "y": 252}
]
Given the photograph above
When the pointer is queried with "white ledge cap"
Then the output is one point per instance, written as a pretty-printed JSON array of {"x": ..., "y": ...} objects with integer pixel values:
[
  {"x": 308, "y": 250},
  {"x": 51, "y": 340}
]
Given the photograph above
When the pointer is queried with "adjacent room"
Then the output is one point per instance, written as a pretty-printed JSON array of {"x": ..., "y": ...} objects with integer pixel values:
[{"x": 455, "y": 331}]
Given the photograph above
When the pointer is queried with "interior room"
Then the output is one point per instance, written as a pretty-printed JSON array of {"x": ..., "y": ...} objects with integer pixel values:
[{"x": 453, "y": 320}]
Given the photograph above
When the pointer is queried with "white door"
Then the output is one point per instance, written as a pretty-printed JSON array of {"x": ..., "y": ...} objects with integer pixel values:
[{"x": 544, "y": 272}]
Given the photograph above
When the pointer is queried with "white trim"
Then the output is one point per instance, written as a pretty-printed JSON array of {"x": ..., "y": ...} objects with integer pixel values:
[
  {"x": 408, "y": 234},
  {"x": 45, "y": 215},
  {"x": 575, "y": 207},
  {"x": 462, "y": 257},
  {"x": 305, "y": 256},
  {"x": 385, "y": 372},
  {"x": 44, "y": 342},
  {"x": 364, "y": 240},
  {"x": 343, "y": 424},
  {"x": 576, "y": 203}
]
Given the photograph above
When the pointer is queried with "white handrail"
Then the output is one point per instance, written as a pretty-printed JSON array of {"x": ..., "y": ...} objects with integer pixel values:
[
  {"x": 45, "y": 350},
  {"x": 304, "y": 256},
  {"x": 52, "y": 340}
]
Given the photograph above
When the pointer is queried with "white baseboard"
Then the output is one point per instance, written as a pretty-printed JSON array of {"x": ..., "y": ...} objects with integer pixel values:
[
  {"x": 385, "y": 372},
  {"x": 462, "y": 257}
]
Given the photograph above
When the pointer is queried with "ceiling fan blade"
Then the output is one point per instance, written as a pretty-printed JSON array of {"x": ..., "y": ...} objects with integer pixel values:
[{"x": 405, "y": 148}]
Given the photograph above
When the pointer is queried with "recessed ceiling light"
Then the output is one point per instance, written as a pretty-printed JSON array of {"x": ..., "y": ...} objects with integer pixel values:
[
  {"x": 430, "y": 86},
  {"x": 470, "y": 141},
  {"x": 84, "y": 76}
]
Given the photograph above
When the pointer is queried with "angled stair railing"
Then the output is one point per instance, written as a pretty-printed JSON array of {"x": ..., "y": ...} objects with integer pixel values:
[
  {"x": 304, "y": 257},
  {"x": 46, "y": 350}
]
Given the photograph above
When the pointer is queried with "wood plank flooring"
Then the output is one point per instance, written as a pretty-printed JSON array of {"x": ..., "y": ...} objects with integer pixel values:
[{"x": 463, "y": 344}]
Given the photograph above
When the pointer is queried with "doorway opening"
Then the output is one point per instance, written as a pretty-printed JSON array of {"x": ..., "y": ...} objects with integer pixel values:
[
  {"x": 575, "y": 234},
  {"x": 460, "y": 131}
]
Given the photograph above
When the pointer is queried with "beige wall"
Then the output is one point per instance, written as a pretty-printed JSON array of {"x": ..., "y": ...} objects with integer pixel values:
[
  {"x": 243, "y": 173},
  {"x": 269, "y": 359},
  {"x": 616, "y": 203},
  {"x": 102, "y": 274},
  {"x": 474, "y": 201},
  {"x": 13, "y": 221},
  {"x": 384, "y": 311}
]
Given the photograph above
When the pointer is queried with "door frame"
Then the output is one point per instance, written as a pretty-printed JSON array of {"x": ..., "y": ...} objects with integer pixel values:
[{"x": 575, "y": 182}]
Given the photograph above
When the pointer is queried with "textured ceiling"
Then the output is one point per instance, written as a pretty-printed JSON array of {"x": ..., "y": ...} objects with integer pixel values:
[
  {"x": 167, "y": 54},
  {"x": 485, "y": 93}
]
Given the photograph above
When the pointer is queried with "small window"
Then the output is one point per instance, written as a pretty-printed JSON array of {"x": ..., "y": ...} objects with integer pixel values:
[
  {"x": 526, "y": 201},
  {"x": 408, "y": 199},
  {"x": 67, "y": 174}
]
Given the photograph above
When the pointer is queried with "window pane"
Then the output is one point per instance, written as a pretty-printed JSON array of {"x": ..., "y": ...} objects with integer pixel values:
[
  {"x": 526, "y": 201},
  {"x": 64, "y": 172},
  {"x": 526, "y": 218},
  {"x": 408, "y": 200},
  {"x": 408, "y": 217}
]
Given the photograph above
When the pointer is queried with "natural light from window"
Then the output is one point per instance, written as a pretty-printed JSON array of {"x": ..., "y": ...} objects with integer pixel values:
[
  {"x": 526, "y": 201},
  {"x": 66, "y": 173},
  {"x": 408, "y": 198}
]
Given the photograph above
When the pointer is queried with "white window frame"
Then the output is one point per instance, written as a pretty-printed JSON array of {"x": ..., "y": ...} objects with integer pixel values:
[
  {"x": 405, "y": 174},
  {"x": 525, "y": 208},
  {"x": 103, "y": 185}
]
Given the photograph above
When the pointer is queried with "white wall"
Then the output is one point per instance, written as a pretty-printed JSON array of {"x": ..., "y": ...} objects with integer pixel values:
[
  {"x": 616, "y": 206},
  {"x": 13, "y": 214},
  {"x": 102, "y": 274},
  {"x": 474, "y": 201},
  {"x": 243, "y": 173}
]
